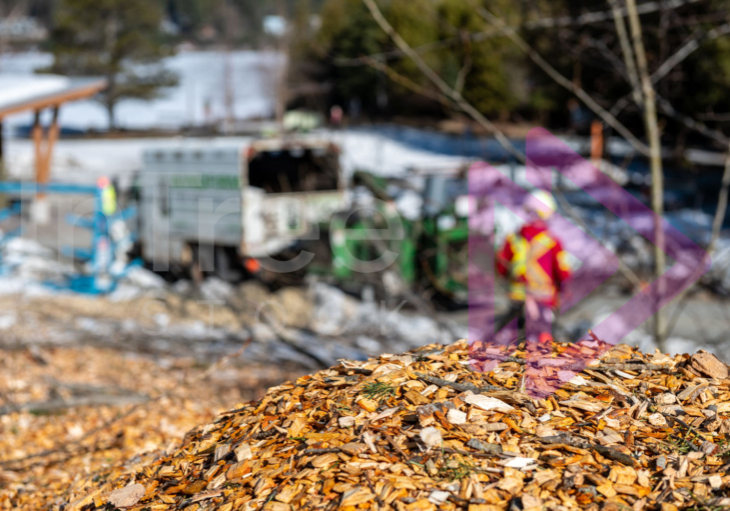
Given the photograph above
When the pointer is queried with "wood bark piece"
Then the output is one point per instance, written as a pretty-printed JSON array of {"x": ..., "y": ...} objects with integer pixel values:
[
  {"x": 127, "y": 496},
  {"x": 708, "y": 364}
]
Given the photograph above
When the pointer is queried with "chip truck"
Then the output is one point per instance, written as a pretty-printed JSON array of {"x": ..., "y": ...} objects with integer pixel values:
[{"x": 230, "y": 210}]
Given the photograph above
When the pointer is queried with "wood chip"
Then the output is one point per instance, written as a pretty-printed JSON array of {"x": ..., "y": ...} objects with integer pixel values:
[
  {"x": 456, "y": 416},
  {"x": 708, "y": 364},
  {"x": 127, "y": 496},
  {"x": 488, "y": 403},
  {"x": 431, "y": 437}
]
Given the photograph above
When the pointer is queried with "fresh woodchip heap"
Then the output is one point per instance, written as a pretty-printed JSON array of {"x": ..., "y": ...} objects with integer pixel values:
[{"x": 422, "y": 431}]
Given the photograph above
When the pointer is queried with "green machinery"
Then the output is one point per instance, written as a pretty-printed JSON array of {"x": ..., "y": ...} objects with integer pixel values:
[{"x": 425, "y": 250}]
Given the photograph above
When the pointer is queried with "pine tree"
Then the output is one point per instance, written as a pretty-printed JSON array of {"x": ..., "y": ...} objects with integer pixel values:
[{"x": 117, "y": 39}]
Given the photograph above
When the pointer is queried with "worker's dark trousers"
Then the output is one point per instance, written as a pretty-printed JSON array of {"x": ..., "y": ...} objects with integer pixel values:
[
  {"x": 540, "y": 378},
  {"x": 541, "y": 324},
  {"x": 516, "y": 309},
  {"x": 538, "y": 344}
]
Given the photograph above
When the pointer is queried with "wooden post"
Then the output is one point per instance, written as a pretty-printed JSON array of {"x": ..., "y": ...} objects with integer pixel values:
[
  {"x": 596, "y": 142},
  {"x": 39, "y": 208},
  {"x": 37, "y": 135},
  {"x": 48, "y": 151},
  {"x": 43, "y": 153},
  {"x": 43, "y": 144}
]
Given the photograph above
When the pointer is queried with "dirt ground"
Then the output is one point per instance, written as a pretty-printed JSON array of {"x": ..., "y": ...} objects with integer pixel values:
[
  {"x": 86, "y": 383},
  {"x": 66, "y": 411}
]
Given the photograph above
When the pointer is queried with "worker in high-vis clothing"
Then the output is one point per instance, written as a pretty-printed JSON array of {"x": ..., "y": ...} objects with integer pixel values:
[
  {"x": 534, "y": 262},
  {"x": 108, "y": 196},
  {"x": 114, "y": 244}
]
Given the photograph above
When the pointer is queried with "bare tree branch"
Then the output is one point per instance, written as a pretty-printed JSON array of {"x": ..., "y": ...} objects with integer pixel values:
[
  {"x": 466, "y": 67},
  {"x": 622, "y": 103},
  {"x": 440, "y": 83},
  {"x": 686, "y": 50},
  {"x": 563, "y": 21},
  {"x": 664, "y": 104},
  {"x": 461, "y": 77},
  {"x": 597, "y": 17},
  {"x": 563, "y": 81},
  {"x": 406, "y": 82},
  {"x": 627, "y": 52},
  {"x": 715, "y": 117},
  {"x": 615, "y": 61},
  {"x": 655, "y": 160},
  {"x": 674, "y": 60},
  {"x": 691, "y": 123},
  {"x": 395, "y": 54}
]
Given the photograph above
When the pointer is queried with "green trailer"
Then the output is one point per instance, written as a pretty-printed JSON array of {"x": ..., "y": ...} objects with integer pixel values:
[{"x": 427, "y": 254}]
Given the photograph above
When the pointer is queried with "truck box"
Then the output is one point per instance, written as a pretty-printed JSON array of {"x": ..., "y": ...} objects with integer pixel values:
[{"x": 253, "y": 201}]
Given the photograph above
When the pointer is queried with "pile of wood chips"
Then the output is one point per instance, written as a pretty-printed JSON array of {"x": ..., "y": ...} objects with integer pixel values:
[{"x": 422, "y": 431}]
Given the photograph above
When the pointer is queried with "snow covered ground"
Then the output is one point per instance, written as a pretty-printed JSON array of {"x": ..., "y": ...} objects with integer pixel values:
[
  {"x": 199, "y": 97},
  {"x": 82, "y": 161},
  {"x": 206, "y": 78}
]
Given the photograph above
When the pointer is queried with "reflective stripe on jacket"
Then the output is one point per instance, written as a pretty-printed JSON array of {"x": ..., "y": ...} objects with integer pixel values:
[{"x": 108, "y": 200}]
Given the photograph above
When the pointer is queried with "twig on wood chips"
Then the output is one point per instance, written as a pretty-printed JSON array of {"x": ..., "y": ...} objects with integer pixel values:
[
  {"x": 324, "y": 450},
  {"x": 461, "y": 387},
  {"x": 604, "y": 451}
]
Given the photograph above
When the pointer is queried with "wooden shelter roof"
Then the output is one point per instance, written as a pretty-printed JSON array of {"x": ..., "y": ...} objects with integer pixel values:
[{"x": 20, "y": 93}]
